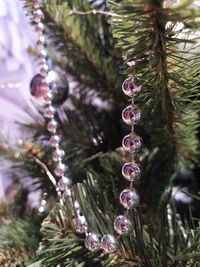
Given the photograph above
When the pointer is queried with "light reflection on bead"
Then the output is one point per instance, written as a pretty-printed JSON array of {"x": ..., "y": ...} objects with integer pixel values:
[
  {"x": 131, "y": 171},
  {"x": 54, "y": 141},
  {"x": 60, "y": 169},
  {"x": 131, "y": 143},
  {"x": 49, "y": 112},
  {"x": 109, "y": 244},
  {"x": 130, "y": 88},
  {"x": 37, "y": 15},
  {"x": 92, "y": 242},
  {"x": 52, "y": 126},
  {"x": 131, "y": 115},
  {"x": 81, "y": 224},
  {"x": 122, "y": 225},
  {"x": 64, "y": 183},
  {"x": 58, "y": 154},
  {"x": 48, "y": 98},
  {"x": 39, "y": 28},
  {"x": 129, "y": 198}
]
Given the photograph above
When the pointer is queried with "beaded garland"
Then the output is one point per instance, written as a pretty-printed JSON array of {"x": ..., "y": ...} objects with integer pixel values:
[{"x": 129, "y": 198}]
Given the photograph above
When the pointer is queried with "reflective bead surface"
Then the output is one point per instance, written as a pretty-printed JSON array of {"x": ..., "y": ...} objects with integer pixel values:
[
  {"x": 64, "y": 183},
  {"x": 131, "y": 115},
  {"x": 52, "y": 126},
  {"x": 109, "y": 244},
  {"x": 129, "y": 198},
  {"x": 122, "y": 225},
  {"x": 92, "y": 242},
  {"x": 54, "y": 141},
  {"x": 130, "y": 88},
  {"x": 131, "y": 171},
  {"x": 49, "y": 112},
  {"x": 60, "y": 169},
  {"x": 81, "y": 224},
  {"x": 58, "y": 154},
  {"x": 131, "y": 143}
]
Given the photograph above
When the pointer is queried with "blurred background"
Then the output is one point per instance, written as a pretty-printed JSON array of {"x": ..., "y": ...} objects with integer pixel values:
[{"x": 17, "y": 69}]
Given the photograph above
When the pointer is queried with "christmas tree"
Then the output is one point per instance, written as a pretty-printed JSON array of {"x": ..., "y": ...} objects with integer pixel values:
[{"x": 152, "y": 45}]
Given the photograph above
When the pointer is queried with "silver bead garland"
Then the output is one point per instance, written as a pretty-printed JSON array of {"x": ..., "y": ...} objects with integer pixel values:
[{"x": 128, "y": 198}]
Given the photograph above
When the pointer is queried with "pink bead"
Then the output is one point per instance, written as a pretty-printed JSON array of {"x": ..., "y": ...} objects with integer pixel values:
[
  {"x": 131, "y": 143},
  {"x": 131, "y": 115},
  {"x": 130, "y": 88}
]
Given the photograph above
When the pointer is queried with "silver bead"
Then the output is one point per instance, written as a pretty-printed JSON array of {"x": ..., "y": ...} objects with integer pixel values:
[
  {"x": 58, "y": 154},
  {"x": 66, "y": 196},
  {"x": 64, "y": 183},
  {"x": 129, "y": 198},
  {"x": 54, "y": 141},
  {"x": 37, "y": 3},
  {"x": 48, "y": 98},
  {"x": 122, "y": 224},
  {"x": 131, "y": 115},
  {"x": 81, "y": 224},
  {"x": 60, "y": 169},
  {"x": 92, "y": 242},
  {"x": 131, "y": 143},
  {"x": 130, "y": 88},
  {"x": 41, "y": 41},
  {"x": 109, "y": 244},
  {"x": 39, "y": 28},
  {"x": 38, "y": 15},
  {"x": 44, "y": 70},
  {"x": 49, "y": 112},
  {"x": 131, "y": 171},
  {"x": 52, "y": 126},
  {"x": 43, "y": 53}
]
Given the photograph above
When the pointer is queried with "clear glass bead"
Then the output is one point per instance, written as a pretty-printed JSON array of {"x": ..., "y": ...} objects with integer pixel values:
[{"x": 38, "y": 15}]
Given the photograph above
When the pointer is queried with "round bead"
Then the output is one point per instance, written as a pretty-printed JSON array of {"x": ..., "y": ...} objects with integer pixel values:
[
  {"x": 81, "y": 224},
  {"x": 54, "y": 140},
  {"x": 131, "y": 143},
  {"x": 49, "y": 112},
  {"x": 44, "y": 70},
  {"x": 129, "y": 198},
  {"x": 109, "y": 244},
  {"x": 130, "y": 115},
  {"x": 130, "y": 88},
  {"x": 48, "y": 98},
  {"x": 64, "y": 183},
  {"x": 41, "y": 41},
  {"x": 131, "y": 171},
  {"x": 60, "y": 169},
  {"x": 92, "y": 242},
  {"x": 39, "y": 28},
  {"x": 58, "y": 154},
  {"x": 122, "y": 224},
  {"x": 43, "y": 53},
  {"x": 52, "y": 126},
  {"x": 36, "y": 3},
  {"x": 37, "y": 15},
  {"x": 67, "y": 194}
]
